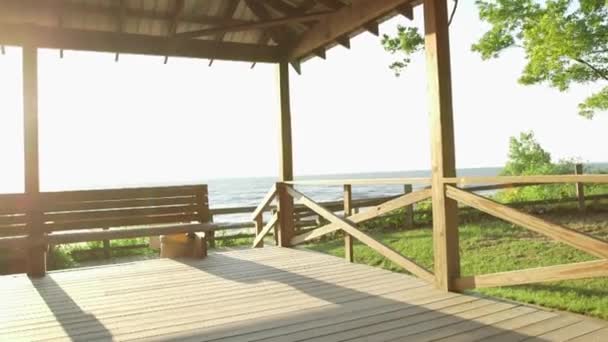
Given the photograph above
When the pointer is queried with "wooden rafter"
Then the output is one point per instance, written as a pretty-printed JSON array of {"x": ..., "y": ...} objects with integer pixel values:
[
  {"x": 53, "y": 38},
  {"x": 333, "y": 4},
  {"x": 373, "y": 28},
  {"x": 120, "y": 27},
  {"x": 406, "y": 10},
  {"x": 279, "y": 36},
  {"x": 344, "y": 41},
  {"x": 254, "y": 26},
  {"x": 173, "y": 23},
  {"x": 283, "y": 7},
  {"x": 60, "y": 24},
  {"x": 287, "y": 9},
  {"x": 265, "y": 37},
  {"x": 228, "y": 14},
  {"x": 343, "y": 21},
  {"x": 83, "y": 9}
]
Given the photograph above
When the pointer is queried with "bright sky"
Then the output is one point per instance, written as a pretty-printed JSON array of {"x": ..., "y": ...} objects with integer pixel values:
[{"x": 139, "y": 122}]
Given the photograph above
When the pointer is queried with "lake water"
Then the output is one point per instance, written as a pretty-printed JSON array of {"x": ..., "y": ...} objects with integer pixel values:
[{"x": 239, "y": 192}]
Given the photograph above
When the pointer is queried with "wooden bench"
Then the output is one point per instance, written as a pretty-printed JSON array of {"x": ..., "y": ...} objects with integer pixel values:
[{"x": 33, "y": 222}]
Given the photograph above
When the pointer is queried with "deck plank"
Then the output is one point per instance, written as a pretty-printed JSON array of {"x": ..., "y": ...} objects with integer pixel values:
[{"x": 269, "y": 294}]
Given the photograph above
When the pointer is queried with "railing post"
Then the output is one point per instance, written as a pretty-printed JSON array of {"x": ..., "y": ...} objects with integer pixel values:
[
  {"x": 580, "y": 188},
  {"x": 348, "y": 239},
  {"x": 210, "y": 237},
  {"x": 285, "y": 210},
  {"x": 107, "y": 252},
  {"x": 259, "y": 224},
  {"x": 443, "y": 161},
  {"x": 409, "y": 210},
  {"x": 204, "y": 214}
]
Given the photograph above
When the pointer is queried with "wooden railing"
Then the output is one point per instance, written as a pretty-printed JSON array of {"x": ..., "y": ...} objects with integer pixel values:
[
  {"x": 579, "y": 240},
  {"x": 462, "y": 190},
  {"x": 258, "y": 218},
  {"x": 347, "y": 223}
]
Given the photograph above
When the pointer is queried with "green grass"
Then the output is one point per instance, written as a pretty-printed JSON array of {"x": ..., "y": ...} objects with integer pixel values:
[
  {"x": 489, "y": 246},
  {"x": 75, "y": 255}
]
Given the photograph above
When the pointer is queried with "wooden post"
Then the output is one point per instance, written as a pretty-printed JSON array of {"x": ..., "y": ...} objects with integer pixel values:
[
  {"x": 204, "y": 214},
  {"x": 445, "y": 215},
  {"x": 259, "y": 225},
  {"x": 348, "y": 208},
  {"x": 409, "y": 210},
  {"x": 275, "y": 230},
  {"x": 580, "y": 189},
  {"x": 286, "y": 206},
  {"x": 286, "y": 223},
  {"x": 37, "y": 246},
  {"x": 107, "y": 252}
]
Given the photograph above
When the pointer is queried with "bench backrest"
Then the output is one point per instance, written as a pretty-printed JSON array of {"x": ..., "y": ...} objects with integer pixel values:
[
  {"x": 70, "y": 210},
  {"x": 13, "y": 208}
]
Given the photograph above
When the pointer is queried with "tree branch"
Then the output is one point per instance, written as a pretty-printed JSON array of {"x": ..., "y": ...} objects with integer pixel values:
[{"x": 599, "y": 72}]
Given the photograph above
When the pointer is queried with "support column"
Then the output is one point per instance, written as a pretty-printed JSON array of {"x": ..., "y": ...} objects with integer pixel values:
[
  {"x": 36, "y": 245},
  {"x": 445, "y": 214},
  {"x": 286, "y": 222}
]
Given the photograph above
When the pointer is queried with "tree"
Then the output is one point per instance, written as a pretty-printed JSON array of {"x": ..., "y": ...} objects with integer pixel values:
[
  {"x": 565, "y": 42},
  {"x": 526, "y": 156}
]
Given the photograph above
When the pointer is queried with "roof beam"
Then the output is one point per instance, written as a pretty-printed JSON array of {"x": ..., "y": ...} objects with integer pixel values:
[
  {"x": 228, "y": 14},
  {"x": 265, "y": 38},
  {"x": 172, "y": 29},
  {"x": 407, "y": 11},
  {"x": 342, "y": 22},
  {"x": 283, "y": 7},
  {"x": 333, "y": 4},
  {"x": 260, "y": 11},
  {"x": 254, "y": 26},
  {"x": 290, "y": 10},
  {"x": 54, "y": 38}
]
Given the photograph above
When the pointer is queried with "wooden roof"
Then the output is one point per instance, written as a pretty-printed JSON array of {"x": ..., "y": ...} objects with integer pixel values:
[{"x": 244, "y": 30}]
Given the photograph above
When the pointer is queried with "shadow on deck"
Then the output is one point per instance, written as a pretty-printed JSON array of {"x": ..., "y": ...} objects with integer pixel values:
[{"x": 265, "y": 294}]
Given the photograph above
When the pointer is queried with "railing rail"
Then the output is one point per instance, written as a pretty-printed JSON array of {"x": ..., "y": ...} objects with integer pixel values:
[
  {"x": 364, "y": 181},
  {"x": 543, "y": 179}
]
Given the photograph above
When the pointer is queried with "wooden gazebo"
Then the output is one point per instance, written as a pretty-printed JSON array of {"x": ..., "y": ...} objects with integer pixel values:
[{"x": 283, "y": 32}]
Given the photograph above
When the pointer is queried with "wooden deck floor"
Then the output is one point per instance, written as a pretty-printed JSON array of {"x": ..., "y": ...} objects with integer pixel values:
[{"x": 268, "y": 294}]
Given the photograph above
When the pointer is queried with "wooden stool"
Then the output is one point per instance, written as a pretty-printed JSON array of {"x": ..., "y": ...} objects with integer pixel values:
[{"x": 183, "y": 246}]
